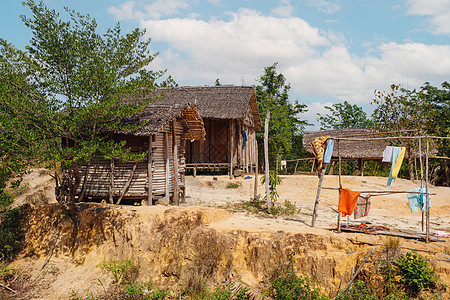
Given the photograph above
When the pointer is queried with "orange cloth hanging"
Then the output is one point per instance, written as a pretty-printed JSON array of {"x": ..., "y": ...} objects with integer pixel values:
[{"x": 347, "y": 201}]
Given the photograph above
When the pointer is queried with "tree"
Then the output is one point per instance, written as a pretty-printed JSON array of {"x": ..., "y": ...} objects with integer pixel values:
[
  {"x": 399, "y": 110},
  {"x": 60, "y": 96},
  {"x": 344, "y": 115},
  {"x": 439, "y": 99},
  {"x": 285, "y": 125}
]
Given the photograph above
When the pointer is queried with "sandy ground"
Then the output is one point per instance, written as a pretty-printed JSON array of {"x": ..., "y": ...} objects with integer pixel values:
[
  {"x": 211, "y": 191},
  {"x": 389, "y": 210}
]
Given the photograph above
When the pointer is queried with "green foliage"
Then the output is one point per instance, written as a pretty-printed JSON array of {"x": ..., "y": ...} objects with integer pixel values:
[
  {"x": 145, "y": 291},
  {"x": 232, "y": 185},
  {"x": 274, "y": 180},
  {"x": 287, "y": 285},
  {"x": 287, "y": 209},
  {"x": 11, "y": 237},
  {"x": 344, "y": 115},
  {"x": 60, "y": 95},
  {"x": 401, "y": 109},
  {"x": 358, "y": 290},
  {"x": 285, "y": 124},
  {"x": 121, "y": 270},
  {"x": 415, "y": 272}
]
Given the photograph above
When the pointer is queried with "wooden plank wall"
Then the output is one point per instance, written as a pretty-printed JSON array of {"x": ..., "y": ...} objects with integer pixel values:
[
  {"x": 98, "y": 183},
  {"x": 217, "y": 146}
]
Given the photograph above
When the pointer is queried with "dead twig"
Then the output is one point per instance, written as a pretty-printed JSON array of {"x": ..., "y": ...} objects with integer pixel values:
[
  {"x": 51, "y": 249},
  {"x": 8, "y": 288},
  {"x": 408, "y": 248},
  {"x": 354, "y": 275}
]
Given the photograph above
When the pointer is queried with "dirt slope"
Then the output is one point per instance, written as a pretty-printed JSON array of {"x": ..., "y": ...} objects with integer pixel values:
[{"x": 172, "y": 245}]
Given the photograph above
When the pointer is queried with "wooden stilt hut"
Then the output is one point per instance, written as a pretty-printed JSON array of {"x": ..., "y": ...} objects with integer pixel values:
[
  {"x": 161, "y": 174},
  {"x": 231, "y": 118}
]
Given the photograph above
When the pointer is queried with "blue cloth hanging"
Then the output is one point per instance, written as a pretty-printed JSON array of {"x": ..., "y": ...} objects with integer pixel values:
[
  {"x": 395, "y": 152},
  {"x": 244, "y": 138},
  {"x": 328, "y": 151},
  {"x": 417, "y": 201}
]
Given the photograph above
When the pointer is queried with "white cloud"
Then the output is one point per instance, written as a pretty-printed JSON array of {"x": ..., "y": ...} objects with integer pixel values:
[
  {"x": 438, "y": 12},
  {"x": 236, "y": 49},
  {"x": 328, "y": 7},
  {"x": 311, "y": 115},
  {"x": 125, "y": 11},
  {"x": 284, "y": 10},
  {"x": 155, "y": 10}
]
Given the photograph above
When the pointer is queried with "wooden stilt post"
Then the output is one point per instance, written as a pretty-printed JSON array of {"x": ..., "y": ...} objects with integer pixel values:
[
  {"x": 266, "y": 158},
  {"x": 427, "y": 200},
  {"x": 150, "y": 171},
  {"x": 255, "y": 188},
  {"x": 231, "y": 147},
  {"x": 127, "y": 184},
  {"x": 166, "y": 154},
  {"x": 316, "y": 203},
  {"x": 111, "y": 181},
  {"x": 83, "y": 188},
  {"x": 176, "y": 194},
  {"x": 340, "y": 190}
]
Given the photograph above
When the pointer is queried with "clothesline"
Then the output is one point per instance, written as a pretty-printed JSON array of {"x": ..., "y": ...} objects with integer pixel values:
[
  {"x": 389, "y": 138},
  {"x": 382, "y": 192}
]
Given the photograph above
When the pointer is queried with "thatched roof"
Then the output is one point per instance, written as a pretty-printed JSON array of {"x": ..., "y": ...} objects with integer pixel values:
[
  {"x": 367, "y": 149},
  {"x": 156, "y": 116},
  {"x": 215, "y": 102}
]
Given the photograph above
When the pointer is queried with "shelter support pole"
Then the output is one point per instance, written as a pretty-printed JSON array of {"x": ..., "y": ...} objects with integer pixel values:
[
  {"x": 314, "y": 162},
  {"x": 316, "y": 203},
  {"x": 231, "y": 147},
  {"x": 111, "y": 181},
  {"x": 361, "y": 166},
  {"x": 150, "y": 171},
  {"x": 266, "y": 158},
  {"x": 427, "y": 200},
  {"x": 332, "y": 168},
  {"x": 340, "y": 190},
  {"x": 166, "y": 154},
  {"x": 176, "y": 194},
  {"x": 255, "y": 189}
]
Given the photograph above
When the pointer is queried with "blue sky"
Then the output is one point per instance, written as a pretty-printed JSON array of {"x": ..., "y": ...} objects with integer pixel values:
[{"x": 329, "y": 50}]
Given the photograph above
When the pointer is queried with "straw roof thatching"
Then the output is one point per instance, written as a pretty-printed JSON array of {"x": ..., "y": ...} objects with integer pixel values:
[
  {"x": 215, "y": 102},
  {"x": 368, "y": 149},
  {"x": 156, "y": 116}
]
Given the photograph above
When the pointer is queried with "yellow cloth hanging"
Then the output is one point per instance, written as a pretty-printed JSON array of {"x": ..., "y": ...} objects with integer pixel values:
[{"x": 398, "y": 163}]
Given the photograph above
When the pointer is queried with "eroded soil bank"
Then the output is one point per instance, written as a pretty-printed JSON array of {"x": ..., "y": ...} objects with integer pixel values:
[{"x": 178, "y": 246}]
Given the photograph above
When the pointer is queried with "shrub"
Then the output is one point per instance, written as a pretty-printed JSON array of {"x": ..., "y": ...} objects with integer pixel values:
[
  {"x": 122, "y": 270},
  {"x": 274, "y": 180},
  {"x": 358, "y": 290},
  {"x": 415, "y": 272},
  {"x": 11, "y": 236},
  {"x": 145, "y": 291},
  {"x": 289, "y": 286},
  {"x": 232, "y": 185}
]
